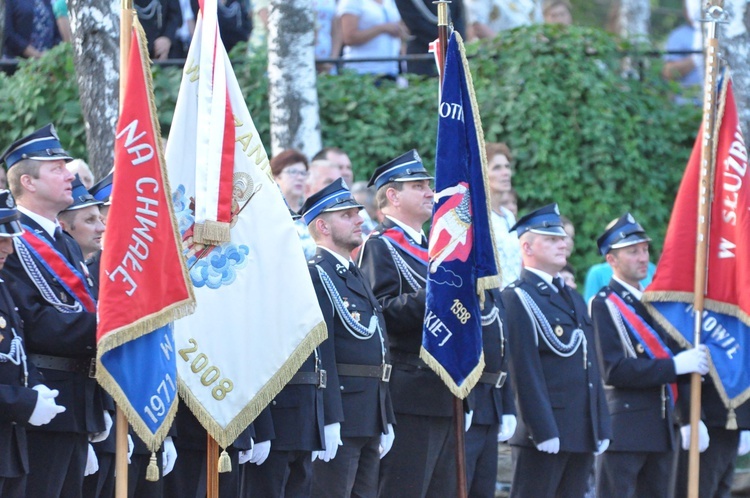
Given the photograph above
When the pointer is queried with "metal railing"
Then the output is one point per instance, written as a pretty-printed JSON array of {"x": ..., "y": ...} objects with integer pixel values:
[{"x": 9, "y": 66}]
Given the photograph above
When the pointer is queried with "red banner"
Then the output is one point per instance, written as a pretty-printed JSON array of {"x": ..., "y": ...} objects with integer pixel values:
[
  {"x": 143, "y": 279},
  {"x": 725, "y": 327},
  {"x": 729, "y": 236},
  {"x": 141, "y": 272}
]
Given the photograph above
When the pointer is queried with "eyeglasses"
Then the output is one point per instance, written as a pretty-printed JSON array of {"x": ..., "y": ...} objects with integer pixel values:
[{"x": 295, "y": 172}]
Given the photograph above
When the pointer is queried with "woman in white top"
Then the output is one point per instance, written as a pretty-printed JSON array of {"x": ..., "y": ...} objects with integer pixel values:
[
  {"x": 488, "y": 17},
  {"x": 506, "y": 242},
  {"x": 371, "y": 28}
]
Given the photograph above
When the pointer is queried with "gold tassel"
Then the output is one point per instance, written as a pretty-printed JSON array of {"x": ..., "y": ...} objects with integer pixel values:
[
  {"x": 225, "y": 463},
  {"x": 152, "y": 471},
  {"x": 731, "y": 420}
]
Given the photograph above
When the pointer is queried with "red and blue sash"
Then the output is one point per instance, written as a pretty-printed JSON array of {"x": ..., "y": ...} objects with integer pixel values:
[
  {"x": 398, "y": 237},
  {"x": 646, "y": 335},
  {"x": 58, "y": 266}
]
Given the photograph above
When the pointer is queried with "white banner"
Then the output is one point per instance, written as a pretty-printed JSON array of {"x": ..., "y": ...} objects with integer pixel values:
[{"x": 257, "y": 317}]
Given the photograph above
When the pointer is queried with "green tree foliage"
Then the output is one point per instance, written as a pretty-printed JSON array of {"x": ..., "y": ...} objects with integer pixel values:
[
  {"x": 40, "y": 92},
  {"x": 582, "y": 135}
]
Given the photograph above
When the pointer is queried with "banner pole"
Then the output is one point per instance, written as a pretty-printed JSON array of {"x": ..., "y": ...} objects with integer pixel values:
[
  {"x": 704, "y": 213},
  {"x": 458, "y": 407},
  {"x": 212, "y": 467},
  {"x": 121, "y": 426},
  {"x": 126, "y": 26}
]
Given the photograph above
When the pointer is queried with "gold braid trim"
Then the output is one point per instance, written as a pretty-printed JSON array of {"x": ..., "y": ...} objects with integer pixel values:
[
  {"x": 225, "y": 436},
  {"x": 459, "y": 391}
]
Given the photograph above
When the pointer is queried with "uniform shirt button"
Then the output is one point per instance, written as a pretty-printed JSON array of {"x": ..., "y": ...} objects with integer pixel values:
[
  {"x": 273, "y": 402},
  {"x": 341, "y": 387},
  {"x": 589, "y": 363},
  {"x": 591, "y": 386},
  {"x": 627, "y": 405}
]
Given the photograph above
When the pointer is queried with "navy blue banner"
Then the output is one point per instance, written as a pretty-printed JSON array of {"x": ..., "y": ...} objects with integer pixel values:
[{"x": 462, "y": 260}]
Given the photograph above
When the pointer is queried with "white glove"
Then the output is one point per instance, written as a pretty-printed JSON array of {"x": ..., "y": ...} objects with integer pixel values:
[
  {"x": 131, "y": 447},
  {"x": 549, "y": 446},
  {"x": 245, "y": 456},
  {"x": 468, "y": 417},
  {"x": 692, "y": 360},
  {"x": 41, "y": 388},
  {"x": 168, "y": 456},
  {"x": 45, "y": 409},
  {"x": 703, "y": 438},
  {"x": 386, "y": 441},
  {"x": 260, "y": 452},
  {"x": 507, "y": 428},
  {"x": 92, "y": 463},
  {"x": 101, "y": 436},
  {"x": 744, "y": 447},
  {"x": 333, "y": 441},
  {"x": 601, "y": 447}
]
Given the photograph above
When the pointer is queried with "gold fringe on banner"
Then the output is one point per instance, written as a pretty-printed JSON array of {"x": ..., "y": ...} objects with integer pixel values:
[
  {"x": 198, "y": 229},
  {"x": 468, "y": 384},
  {"x": 225, "y": 436},
  {"x": 489, "y": 282},
  {"x": 215, "y": 232}
]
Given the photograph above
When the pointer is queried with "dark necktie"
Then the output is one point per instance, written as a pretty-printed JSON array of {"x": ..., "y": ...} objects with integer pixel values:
[
  {"x": 563, "y": 290},
  {"x": 424, "y": 242},
  {"x": 353, "y": 269},
  {"x": 60, "y": 243}
]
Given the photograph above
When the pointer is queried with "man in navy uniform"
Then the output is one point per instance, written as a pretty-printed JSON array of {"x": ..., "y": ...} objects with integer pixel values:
[
  {"x": 357, "y": 329},
  {"x": 46, "y": 279},
  {"x": 639, "y": 371},
  {"x": 563, "y": 416},
  {"x": 81, "y": 220},
  {"x": 298, "y": 426},
  {"x": 24, "y": 400},
  {"x": 102, "y": 190},
  {"x": 394, "y": 260},
  {"x": 493, "y": 417}
]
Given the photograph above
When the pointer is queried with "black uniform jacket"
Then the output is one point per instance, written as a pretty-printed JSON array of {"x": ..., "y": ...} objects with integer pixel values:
[
  {"x": 636, "y": 388},
  {"x": 296, "y": 417},
  {"x": 187, "y": 433},
  {"x": 54, "y": 333},
  {"x": 159, "y": 18},
  {"x": 713, "y": 411},
  {"x": 17, "y": 401},
  {"x": 487, "y": 401},
  {"x": 366, "y": 401},
  {"x": 416, "y": 390},
  {"x": 556, "y": 396}
]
